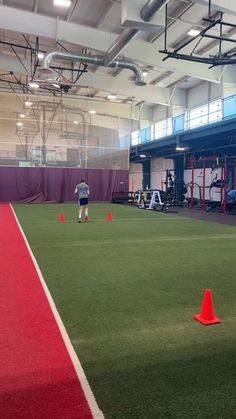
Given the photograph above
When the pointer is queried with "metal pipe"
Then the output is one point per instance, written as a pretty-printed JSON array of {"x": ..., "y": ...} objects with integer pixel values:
[
  {"x": 225, "y": 185},
  {"x": 91, "y": 59},
  {"x": 202, "y": 33},
  {"x": 192, "y": 186},
  {"x": 187, "y": 57},
  {"x": 150, "y": 8},
  {"x": 204, "y": 184},
  {"x": 214, "y": 61},
  {"x": 220, "y": 38},
  {"x": 146, "y": 13},
  {"x": 223, "y": 23},
  {"x": 121, "y": 42}
]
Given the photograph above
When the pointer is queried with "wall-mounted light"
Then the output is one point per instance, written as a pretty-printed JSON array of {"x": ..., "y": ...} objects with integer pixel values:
[
  {"x": 145, "y": 73},
  {"x": 143, "y": 156},
  {"x": 92, "y": 112},
  {"x": 179, "y": 147}
]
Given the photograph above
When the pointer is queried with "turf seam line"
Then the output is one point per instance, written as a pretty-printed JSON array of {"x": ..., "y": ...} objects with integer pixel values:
[
  {"x": 96, "y": 412},
  {"x": 136, "y": 241}
]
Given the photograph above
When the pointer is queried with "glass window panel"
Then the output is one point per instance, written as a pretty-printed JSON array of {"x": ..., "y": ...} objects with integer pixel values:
[
  {"x": 198, "y": 116},
  {"x": 135, "y": 138},
  {"x": 215, "y": 111}
]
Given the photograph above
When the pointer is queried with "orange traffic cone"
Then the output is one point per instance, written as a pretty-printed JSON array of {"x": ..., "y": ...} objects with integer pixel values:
[
  {"x": 109, "y": 216},
  {"x": 62, "y": 217},
  {"x": 207, "y": 315}
]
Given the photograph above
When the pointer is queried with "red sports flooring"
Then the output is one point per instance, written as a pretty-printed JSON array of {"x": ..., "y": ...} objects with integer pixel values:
[{"x": 37, "y": 376}]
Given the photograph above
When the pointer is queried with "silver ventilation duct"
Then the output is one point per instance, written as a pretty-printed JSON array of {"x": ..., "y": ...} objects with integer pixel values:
[
  {"x": 89, "y": 59},
  {"x": 146, "y": 13},
  {"x": 150, "y": 8}
]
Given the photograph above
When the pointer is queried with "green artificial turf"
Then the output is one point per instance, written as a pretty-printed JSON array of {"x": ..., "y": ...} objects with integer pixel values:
[{"x": 126, "y": 291}]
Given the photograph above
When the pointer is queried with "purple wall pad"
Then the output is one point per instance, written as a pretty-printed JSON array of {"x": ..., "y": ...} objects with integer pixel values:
[{"x": 41, "y": 184}]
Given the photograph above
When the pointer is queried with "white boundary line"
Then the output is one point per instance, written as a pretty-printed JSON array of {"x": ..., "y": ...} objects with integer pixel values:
[{"x": 96, "y": 412}]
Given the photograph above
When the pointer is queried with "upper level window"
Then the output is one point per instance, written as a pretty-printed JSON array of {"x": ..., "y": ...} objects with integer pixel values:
[
  {"x": 163, "y": 128},
  {"x": 135, "y": 137},
  {"x": 215, "y": 111},
  {"x": 198, "y": 116}
]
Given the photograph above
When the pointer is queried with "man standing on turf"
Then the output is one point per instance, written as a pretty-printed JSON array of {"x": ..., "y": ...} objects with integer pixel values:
[{"x": 82, "y": 190}]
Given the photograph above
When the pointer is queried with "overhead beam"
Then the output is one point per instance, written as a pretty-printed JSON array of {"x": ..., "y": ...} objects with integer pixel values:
[
  {"x": 226, "y": 6},
  {"x": 141, "y": 51},
  {"x": 119, "y": 110},
  {"x": 130, "y": 17},
  {"x": 159, "y": 95}
]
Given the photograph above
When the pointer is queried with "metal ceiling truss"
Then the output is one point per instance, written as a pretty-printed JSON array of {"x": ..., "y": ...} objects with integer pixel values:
[
  {"x": 213, "y": 61},
  {"x": 70, "y": 75}
]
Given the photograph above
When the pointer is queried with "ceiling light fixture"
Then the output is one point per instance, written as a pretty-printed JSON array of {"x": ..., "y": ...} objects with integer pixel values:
[
  {"x": 193, "y": 32},
  {"x": 40, "y": 55},
  {"x": 178, "y": 148},
  {"x": 111, "y": 97},
  {"x": 28, "y": 103},
  {"x": 33, "y": 85},
  {"x": 143, "y": 156},
  {"x": 75, "y": 122},
  {"x": 22, "y": 115},
  {"x": 92, "y": 112},
  {"x": 57, "y": 86},
  {"x": 62, "y": 3},
  {"x": 19, "y": 124}
]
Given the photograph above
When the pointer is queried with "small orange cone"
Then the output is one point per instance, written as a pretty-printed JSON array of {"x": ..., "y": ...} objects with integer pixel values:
[
  {"x": 109, "y": 216},
  {"x": 62, "y": 217},
  {"x": 207, "y": 315}
]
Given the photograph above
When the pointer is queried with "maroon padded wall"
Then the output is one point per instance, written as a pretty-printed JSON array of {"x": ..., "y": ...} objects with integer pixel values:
[{"x": 41, "y": 184}]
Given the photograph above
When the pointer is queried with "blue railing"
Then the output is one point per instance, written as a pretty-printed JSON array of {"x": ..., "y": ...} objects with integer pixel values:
[{"x": 226, "y": 109}]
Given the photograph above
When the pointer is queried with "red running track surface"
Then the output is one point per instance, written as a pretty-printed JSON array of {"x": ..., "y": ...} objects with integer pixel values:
[{"x": 37, "y": 377}]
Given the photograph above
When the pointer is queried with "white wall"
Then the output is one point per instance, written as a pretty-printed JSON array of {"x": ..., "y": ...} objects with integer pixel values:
[
  {"x": 160, "y": 113},
  {"x": 203, "y": 93},
  {"x": 158, "y": 172},
  {"x": 198, "y": 180}
]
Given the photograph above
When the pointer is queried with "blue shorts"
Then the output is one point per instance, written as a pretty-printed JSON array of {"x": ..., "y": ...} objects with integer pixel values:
[{"x": 83, "y": 201}]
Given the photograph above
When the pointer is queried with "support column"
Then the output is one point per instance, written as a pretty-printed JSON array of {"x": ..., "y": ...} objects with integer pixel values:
[
  {"x": 44, "y": 138},
  {"x": 179, "y": 177},
  {"x": 146, "y": 174}
]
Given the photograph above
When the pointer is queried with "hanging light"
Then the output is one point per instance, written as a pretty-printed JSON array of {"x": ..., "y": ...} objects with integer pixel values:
[
  {"x": 193, "y": 32},
  {"x": 111, "y": 97},
  {"x": 33, "y": 85},
  {"x": 62, "y": 3},
  {"x": 40, "y": 55}
]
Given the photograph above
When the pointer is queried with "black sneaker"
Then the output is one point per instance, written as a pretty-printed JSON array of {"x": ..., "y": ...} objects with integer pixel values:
[{"x": 79, "y": 221}]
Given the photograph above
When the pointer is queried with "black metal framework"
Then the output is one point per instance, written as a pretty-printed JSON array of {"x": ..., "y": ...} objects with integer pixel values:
[
  {"x": 67, "y": 76},
  {"x": 211, "y": 21}
]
